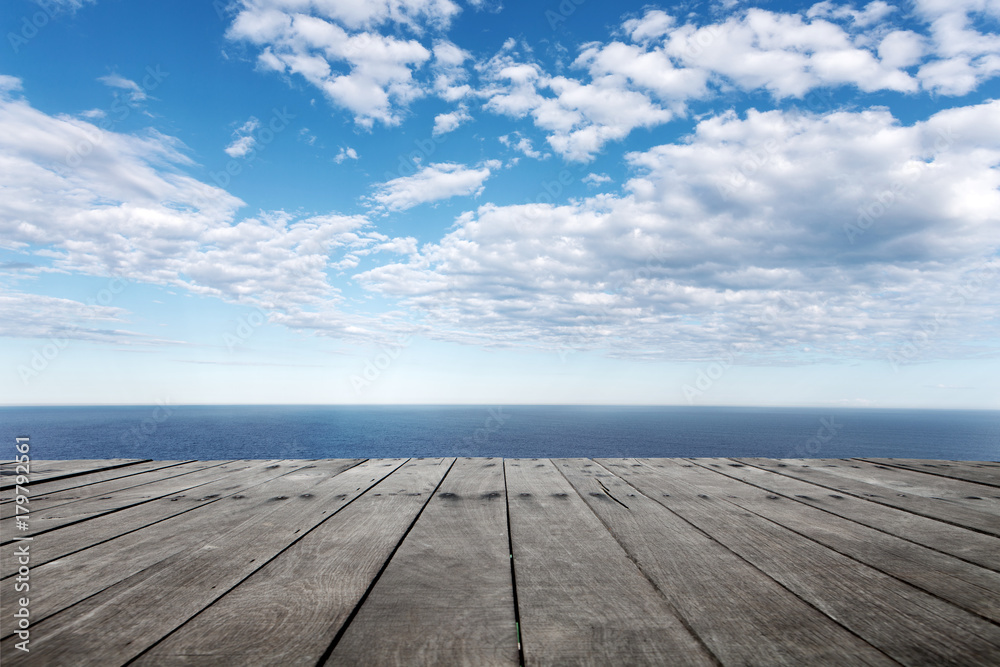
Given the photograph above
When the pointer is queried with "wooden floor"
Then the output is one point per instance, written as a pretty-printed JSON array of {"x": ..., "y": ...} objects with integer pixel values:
[{"x": 495, "y": 562}]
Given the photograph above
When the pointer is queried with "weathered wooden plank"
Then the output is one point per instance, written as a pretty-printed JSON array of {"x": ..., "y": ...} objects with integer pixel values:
[
  {"x": 446, "y": 598},
  {"x": 582, "y": 601},
  {"x": 46, "y": 520},
  {"x": 117, "y": 624},
  {"x": 741, "y": 614},
  {"x": 42, "y": 471},
  {"x": 976, "y": 548},
  {"x": 86, "y": 479},
  {"x": 971, "y": 587},
  {"x": 86, "y": 573},
  {"x": 959, "y": 492},
  {"x": 41, "y": 503},
  {"x": 909, "y": 625},
  {"x": 953, "y": 514},
  {"x": 77, "y": 537},
  {"x": 306, "y": 594},
  {"x": 980, "y": 472}
]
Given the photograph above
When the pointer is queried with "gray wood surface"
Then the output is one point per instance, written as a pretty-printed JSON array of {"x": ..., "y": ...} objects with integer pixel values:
[
  {"x": 80, "y": 536},
  {"x": 981, "y": 472},
  {"x": 86, "y": 479},
  {"x": 73, "y": 578},
  {"x": 446, "y": 596},
  {"x": 717, "y": 593},
  {"x": 582, "y": 600},
  {"x": 978, "y": 520},
  {"x": 110, "y": 490},
  {"x": 971, "y": 587},
  {"x": 983, "y": 550},
  {"x": 49, "y": 470},
  {"x": 959, "y": 492},
  {"x": 615, "y": 561},
  {"x": 305, "y": 594},
  {"x": 63, "y": 514},
  {"x": 907, "y": 624}
]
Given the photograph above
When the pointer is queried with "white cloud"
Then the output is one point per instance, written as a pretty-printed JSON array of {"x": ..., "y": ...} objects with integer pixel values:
[
  {"x": 446, "y": 122},
  {"x": 522, "y": 144},
  {"x": 9, "y": 84},
  {"x": 965, "y": 56},
  {"x": 901, "y": 48},
  {"x": 844, "y": 233},
  {"x": 244, "y": 140},
  {"x": 126, "y": 208},
  {"x": 135, "y": 92},
  {"x": 872, "y": 13},
  {"x": 433, "y": 182},
  {"x": 580, "y": 117},
  {"x": 346, "y": 153},
  {"x": 320, "y": 40},
  {"x": 596, "y": 179}
]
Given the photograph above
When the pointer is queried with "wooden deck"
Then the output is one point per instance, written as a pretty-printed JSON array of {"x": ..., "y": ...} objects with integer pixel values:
[{"x": 500, "y": 562}]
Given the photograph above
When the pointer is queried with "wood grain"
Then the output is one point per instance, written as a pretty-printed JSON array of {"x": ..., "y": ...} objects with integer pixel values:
[
  {"x": 980, "y": 472},
  {"x": 42, "y": 471},
  {"x": 66, "y": 581},
  {"x": 742, "y": 615},
  {"x": 446, "y": 597},
  {"x": 907, "y": 624},
  {"x": 969, "y": 586},
  {"x": 966, "y": 494},
  {"x": 582, "y": 600},
  {"x": 77, "y": 537},
  {"x": 86, "y": 479},
  {"x": 305, "y": 594},
  {"x": 63, "y": 514},
  {"x": 977, "y": 520}
]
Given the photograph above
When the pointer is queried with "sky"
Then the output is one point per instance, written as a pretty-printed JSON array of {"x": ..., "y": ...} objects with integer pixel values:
[{"x": 557, "y": 202}]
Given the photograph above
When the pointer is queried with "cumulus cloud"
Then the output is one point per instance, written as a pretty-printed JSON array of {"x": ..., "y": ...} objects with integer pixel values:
[
  {"x": 447, "y": 122},
  {"x": 123, "y": 206},
  {"x": 580, "y": 117},
  {"x": 338, "y": 48},
  {"x": 596, "y": 179},
  {"x": 841, "y": 234},
  {"x": 244, "y": 140},
  {"x": 521, "y": 144},
  {"x": 345, "y": 153},
  {"x": 965, "y": 57},
  {"x": 431, "y": 183},
  {"x": 650, "y": 78}
]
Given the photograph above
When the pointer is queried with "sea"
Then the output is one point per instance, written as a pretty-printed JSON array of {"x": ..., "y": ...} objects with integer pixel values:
[{"x": 168, "y": 432}]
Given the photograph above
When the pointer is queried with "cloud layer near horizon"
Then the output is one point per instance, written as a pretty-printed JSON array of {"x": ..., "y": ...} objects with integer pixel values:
[{"x": 788, "y": 235}]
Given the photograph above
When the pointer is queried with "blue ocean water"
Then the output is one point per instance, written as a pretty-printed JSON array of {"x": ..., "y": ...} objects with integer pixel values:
[{"x": 222, "y": 432}]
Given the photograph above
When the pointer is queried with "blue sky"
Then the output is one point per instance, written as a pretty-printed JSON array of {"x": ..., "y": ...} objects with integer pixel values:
[{"x": 427, "y": 201}]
